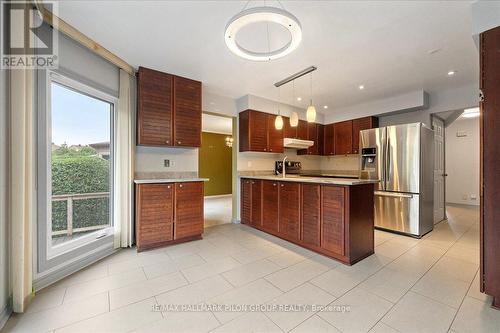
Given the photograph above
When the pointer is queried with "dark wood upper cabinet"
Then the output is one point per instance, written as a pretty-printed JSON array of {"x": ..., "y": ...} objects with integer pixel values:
[
  {"x": 311, "y": 214},
  {"x": 275, "y": 137},
  {"x": 187, "y": 112},
  {"x": 155, "y": 215},
  {"x": 246, "y": 201},
  {"x": 329, "y": 140},
  {"x": 313, "y": 134},
  {"x": 302, "y": 132},
  {"x": 154, "y": 105},
  {"x": 253, "y": 131},
  {"x": 358, "y": 125},
  {"x": 288, "y": 131},
  {"x": 289, "y": 212},
  {"x": 189, "y": 200},
  {"x": 332, "y": 219},
  {"x": 490, "y": 164},
  {"x": 168, "y": 110},
  {"x": 256, "y": 219},
  {"x": 270, "y": 205},
  {"x": 342, "y": 133}
]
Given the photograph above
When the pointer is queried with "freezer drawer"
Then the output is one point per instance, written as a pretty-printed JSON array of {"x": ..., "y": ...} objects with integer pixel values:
[{"x": 398, "y": 211}]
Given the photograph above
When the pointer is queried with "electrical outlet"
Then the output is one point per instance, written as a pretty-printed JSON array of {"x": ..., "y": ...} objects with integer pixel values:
[
  {"x": 473, "y": 197},
  {"x": 465, "y": 197},
  {"x": 166, "y": 163}
]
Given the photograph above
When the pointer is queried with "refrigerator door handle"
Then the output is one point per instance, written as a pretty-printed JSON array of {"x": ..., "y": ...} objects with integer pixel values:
[
  {"x": 393, "y": 195},
  {"x": 387, "y": 158}
]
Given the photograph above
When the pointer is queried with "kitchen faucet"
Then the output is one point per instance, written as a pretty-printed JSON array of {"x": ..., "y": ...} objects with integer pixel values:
[{"x": 284, "y": 167}]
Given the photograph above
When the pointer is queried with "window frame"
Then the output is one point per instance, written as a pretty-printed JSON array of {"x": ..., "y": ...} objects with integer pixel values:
[{"x": 92, "y": 237}]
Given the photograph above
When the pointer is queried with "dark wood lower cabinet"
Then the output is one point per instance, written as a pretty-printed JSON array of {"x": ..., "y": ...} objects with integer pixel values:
[
  {"x": 155, "y": 214},
  {"x": 189, "y": 200},
  {"x": 168, "y": 213},
  {"x": 311, "y": 214},
  {"x": 246, "y": 201},
  {"x": 270, "y": 205},
  {"x": 333, "y": 213},
  {"x": 333, "y": 220},
  {"x": 289, "y": 210},
  {"x": 256, "y": 217}
]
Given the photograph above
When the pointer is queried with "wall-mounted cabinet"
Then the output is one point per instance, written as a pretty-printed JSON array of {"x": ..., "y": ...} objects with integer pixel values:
[
  {"x": 168, "y": 110},
  {"x": 343, "y": 138},
  {"x": 168, "y": 213},
  {"x": 315, "y": 134},
  {"x": 257, "y": 132},
  {"x": 358, "y": 125}
]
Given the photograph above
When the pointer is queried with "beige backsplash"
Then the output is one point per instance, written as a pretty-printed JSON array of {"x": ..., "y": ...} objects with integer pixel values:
[{"x": 165, "y": 175}]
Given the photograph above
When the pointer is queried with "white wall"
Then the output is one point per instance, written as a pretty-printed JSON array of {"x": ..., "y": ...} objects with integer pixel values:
[
  {"x": 439, "y": 101},
  {"x": 150, "y": 159},
  {"x": 462, "y": 161},
  {"x": 4, "y": 244}
]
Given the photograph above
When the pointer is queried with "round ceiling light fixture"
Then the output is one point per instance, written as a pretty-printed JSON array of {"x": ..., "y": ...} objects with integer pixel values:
[{"x": 263, "y": 14}]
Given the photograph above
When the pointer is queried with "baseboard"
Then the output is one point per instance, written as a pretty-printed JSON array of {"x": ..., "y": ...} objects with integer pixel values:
[
  {"x": 61, "y": 272},
  {"x": 5, "y": 315}
]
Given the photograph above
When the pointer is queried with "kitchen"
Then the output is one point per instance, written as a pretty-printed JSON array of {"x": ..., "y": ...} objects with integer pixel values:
[{"x": 336, "y": 131}]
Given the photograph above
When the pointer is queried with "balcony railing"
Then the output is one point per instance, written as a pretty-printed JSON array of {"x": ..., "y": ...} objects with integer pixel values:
[{"x": 70, "y": 199}]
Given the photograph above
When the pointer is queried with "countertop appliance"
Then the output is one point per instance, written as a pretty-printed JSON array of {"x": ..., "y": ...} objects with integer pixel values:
[{"x": 402, "y": 158}]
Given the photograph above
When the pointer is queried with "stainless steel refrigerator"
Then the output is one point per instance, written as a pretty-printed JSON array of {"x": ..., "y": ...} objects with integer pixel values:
[{"x": 402, "y": 158}]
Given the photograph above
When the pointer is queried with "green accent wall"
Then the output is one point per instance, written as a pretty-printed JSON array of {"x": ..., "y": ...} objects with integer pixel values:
[{"x": 215, "y": 163}]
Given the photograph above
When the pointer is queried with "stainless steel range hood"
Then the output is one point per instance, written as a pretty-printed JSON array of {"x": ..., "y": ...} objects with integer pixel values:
[{"x": 297, "y": 143}]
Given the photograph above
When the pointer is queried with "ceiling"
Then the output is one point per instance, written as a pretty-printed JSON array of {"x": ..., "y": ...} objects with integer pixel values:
[
  {"x": 390, "y": 47},
  {"x": 216, "y": 124}
]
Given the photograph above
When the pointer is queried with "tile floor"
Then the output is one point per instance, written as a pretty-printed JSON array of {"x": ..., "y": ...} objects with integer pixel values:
[
  {"x": 218, "y": 210},
  {"x": 409, "y": 285}
]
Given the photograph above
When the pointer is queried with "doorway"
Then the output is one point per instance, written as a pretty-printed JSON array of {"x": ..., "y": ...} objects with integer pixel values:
[
  {"x": 438, "y": 125},
  {"x": 215, "y": 162}
]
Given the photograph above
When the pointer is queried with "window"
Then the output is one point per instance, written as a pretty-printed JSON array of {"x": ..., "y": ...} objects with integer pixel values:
[{"x": 80, "y": 165}]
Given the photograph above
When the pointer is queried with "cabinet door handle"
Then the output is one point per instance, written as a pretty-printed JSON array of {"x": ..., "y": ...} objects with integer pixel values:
[
  {"x": 282, "y": 185},
  {"x": 167, "y": 142},
  {"x": 274, "y": 184},
  {"x": 180, "y": 185},
  {"x": 265, "y": 149},
  {"x": 179, "y": 142},
  {"x": 270, "y": 149},
  {"x": 168, "y": 186}
]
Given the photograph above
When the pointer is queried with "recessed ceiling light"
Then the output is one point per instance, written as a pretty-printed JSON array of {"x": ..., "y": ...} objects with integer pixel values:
[
  {"x": 451, "y": 73},
  {"x": 299, "y": 99},
  {"x": 361, "y": 87},
  {"x": 325, "y": 107}
]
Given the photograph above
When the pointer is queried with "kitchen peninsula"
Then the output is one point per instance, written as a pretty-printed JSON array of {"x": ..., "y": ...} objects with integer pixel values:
[{"x": 331, "y": 216}]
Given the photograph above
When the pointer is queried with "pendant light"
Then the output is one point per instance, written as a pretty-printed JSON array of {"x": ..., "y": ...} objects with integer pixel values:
[
  {"x": 311, "y": 110},
  {"x": 294, "y": 117},
  {"x": 278, "y": 121}
]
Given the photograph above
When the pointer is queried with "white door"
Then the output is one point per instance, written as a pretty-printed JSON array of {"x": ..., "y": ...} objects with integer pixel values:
[{"x": 439, "y": 170}]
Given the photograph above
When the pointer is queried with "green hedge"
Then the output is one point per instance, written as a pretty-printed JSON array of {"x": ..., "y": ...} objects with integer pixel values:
[{"x": 76, "y": 171}]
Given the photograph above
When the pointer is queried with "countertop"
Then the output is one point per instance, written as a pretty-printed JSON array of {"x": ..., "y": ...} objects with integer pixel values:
[
  {"x": 318, "y": 180},
  {"x": 169, "y": 180}
]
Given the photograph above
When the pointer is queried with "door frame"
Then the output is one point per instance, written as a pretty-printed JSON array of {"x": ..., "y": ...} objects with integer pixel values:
[
  {"x": 234, "y": 171},
  {"x": 435, "y": 116},
  {"x": 50, "y": 265}
]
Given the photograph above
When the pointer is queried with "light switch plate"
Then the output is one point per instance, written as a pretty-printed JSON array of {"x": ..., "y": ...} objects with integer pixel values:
[{"x": 166, "y": 163}]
